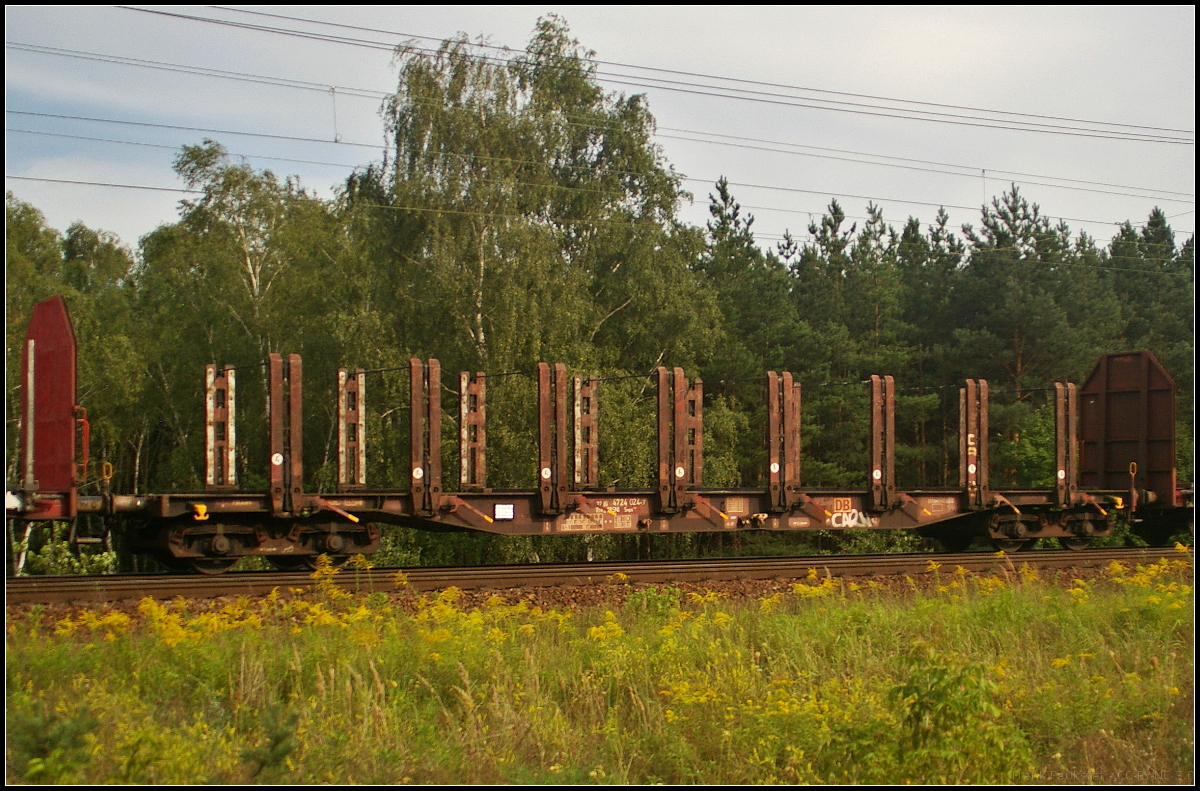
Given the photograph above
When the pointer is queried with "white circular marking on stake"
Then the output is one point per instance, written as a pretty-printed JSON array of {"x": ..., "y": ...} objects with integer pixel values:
[
  {"x": 679, "y": 472},
  {"x": 774, "y": 466},
  {"x": 971, "y": 468},
  {"x": 546, "y": 473},
  {"x": 418, "y": 473},
  {"x": 1062, "y": 475},
  {"x": 877, "y": 475},
  {"x": 277, "y": 459}
]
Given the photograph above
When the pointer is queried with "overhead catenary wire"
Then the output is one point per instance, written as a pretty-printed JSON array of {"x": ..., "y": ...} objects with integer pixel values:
[
  {"x": 705, "y": 76},
  {"x": 790, "y": 210},
  {"x": 752, "y": 96},
  {"x": 726, "y": 140},
  {"x": 495, "y": 215},
  {"x": 971, "y": 171},
  {"x": 563, "y": 187}
]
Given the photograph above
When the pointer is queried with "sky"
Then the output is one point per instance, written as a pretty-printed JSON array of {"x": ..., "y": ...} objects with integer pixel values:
[{"x": 1090, "y": 111}]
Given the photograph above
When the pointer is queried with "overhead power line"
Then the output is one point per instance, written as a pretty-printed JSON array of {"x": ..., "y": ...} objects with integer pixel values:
[
  {"x": 103, "y": 184},
  {"x": 723, "y": 140},
  {"x": 712, "y": 76},
  {"x": 771, "y": 187},
  {"x": 469, "y": 213},
  {"x": 206, "y": 130},
  {"x": 766, "y": 97}
]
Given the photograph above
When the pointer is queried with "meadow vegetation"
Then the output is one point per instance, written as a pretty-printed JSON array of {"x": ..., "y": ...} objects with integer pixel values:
[{"x": 1009, "y": 677}]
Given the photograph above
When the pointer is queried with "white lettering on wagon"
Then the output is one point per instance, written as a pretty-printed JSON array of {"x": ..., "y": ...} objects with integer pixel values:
[{"x": 852, "y": 518}]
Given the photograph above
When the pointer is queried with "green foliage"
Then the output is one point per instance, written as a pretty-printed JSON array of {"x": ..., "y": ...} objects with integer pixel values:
[
  {"x": 1024, "y": 456},
  {"x": 654, "y": 600},
  {"x": 49, "y": 745},
  {"x": 268, "y": 758},
  {"x": 956, "y": 730},
  {"x": 56, "y": 556},
  {"x": 963, "y": 677}
]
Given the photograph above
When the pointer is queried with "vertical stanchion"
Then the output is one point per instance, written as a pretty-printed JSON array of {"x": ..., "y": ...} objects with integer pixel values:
[
  {"x": 276, "y": 409},
  {"x": 1066, "y": 446},
  {"x": 220, "y": 433},
  {"x": 295, "y": 451},
  {"x": 352, "y": 429},
  {"x": 883, "y": 443},
  {"x": 472, "y": 431},
  {"x": 665, "y": 501},
  {"x": 587, "y": 438},
  {"x": 546, "y": 484}
]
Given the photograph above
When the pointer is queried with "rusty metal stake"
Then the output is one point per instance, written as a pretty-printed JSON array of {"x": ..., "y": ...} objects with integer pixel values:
[
  {"x": 1066, "y": 445},
  {"x": 425, "y": 424},
  {"x": 883, "y": 443},
  {"x": 553, "y": 483},
  {"x": 587, "y": 436},
  {"x": 680, "y": 438},
  {"x": 286, "y": 435},
  {"x": 973, "y": 444},
  {"x": 472, "y": 431},
  {"x": 220, "y": 435},
  {"x": 783, "y": 441},
  {"x": 352, "y": 429}
]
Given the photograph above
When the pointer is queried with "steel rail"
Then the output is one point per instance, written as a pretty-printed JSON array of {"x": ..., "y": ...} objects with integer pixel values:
[{"x": 45, "y": 590}]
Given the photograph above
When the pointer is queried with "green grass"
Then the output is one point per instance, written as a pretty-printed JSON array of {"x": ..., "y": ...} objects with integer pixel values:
[{"x": 962, "y": 678}]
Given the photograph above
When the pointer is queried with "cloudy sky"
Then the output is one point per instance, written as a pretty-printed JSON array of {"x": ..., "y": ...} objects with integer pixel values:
[{"x": 1090, "y": 110}]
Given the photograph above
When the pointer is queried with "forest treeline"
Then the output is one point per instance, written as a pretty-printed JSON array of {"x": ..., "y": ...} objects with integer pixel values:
[{"x": 523, "y": 214}]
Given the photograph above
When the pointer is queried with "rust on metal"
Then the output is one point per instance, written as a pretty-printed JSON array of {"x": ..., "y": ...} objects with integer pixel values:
[
  {"x": 425, "y": 416},
  {"x": 1127, "y": 416},
  {"x": 220, "y": 433},
  {"x": 275, "y": 442},
  {"x": 791, "y": 440},
  {"x": 545, "y": 477},
  {"x": 587, "y": 436},
  {"x": 680, "y": 438},
  {"x": 561, "y": 479},
  {"x": 286, "y": 440},
  {"x": 351, "y": 429},
  {"x": 774, "y": 442},
  {"x": 783, "y": 441},
  {"x": 692, "y": 421},
  {"x": 665, "y": 500},
  {"x": 1066, "y": 445},
  {"x": 553, "y": 480},
  {"x": 295, "y": 443},
  {"x": 973, "y": 444},
  {"x": 472, "y": 431},
  {"x": 882, "y": 470}
]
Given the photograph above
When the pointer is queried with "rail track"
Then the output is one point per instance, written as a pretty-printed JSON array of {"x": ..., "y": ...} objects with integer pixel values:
[{"x": 45, "y": 590}]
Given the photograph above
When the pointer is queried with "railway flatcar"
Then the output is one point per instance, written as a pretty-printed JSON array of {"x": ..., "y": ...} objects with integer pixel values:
[{"x": 1114, "y": 454}]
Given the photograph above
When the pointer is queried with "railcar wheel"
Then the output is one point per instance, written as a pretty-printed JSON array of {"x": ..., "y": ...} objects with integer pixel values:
[
  {"x": 1010, "y": 544},
  {"x": 212, "y": 565},
  {"x": 1076, "y": 544}
]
